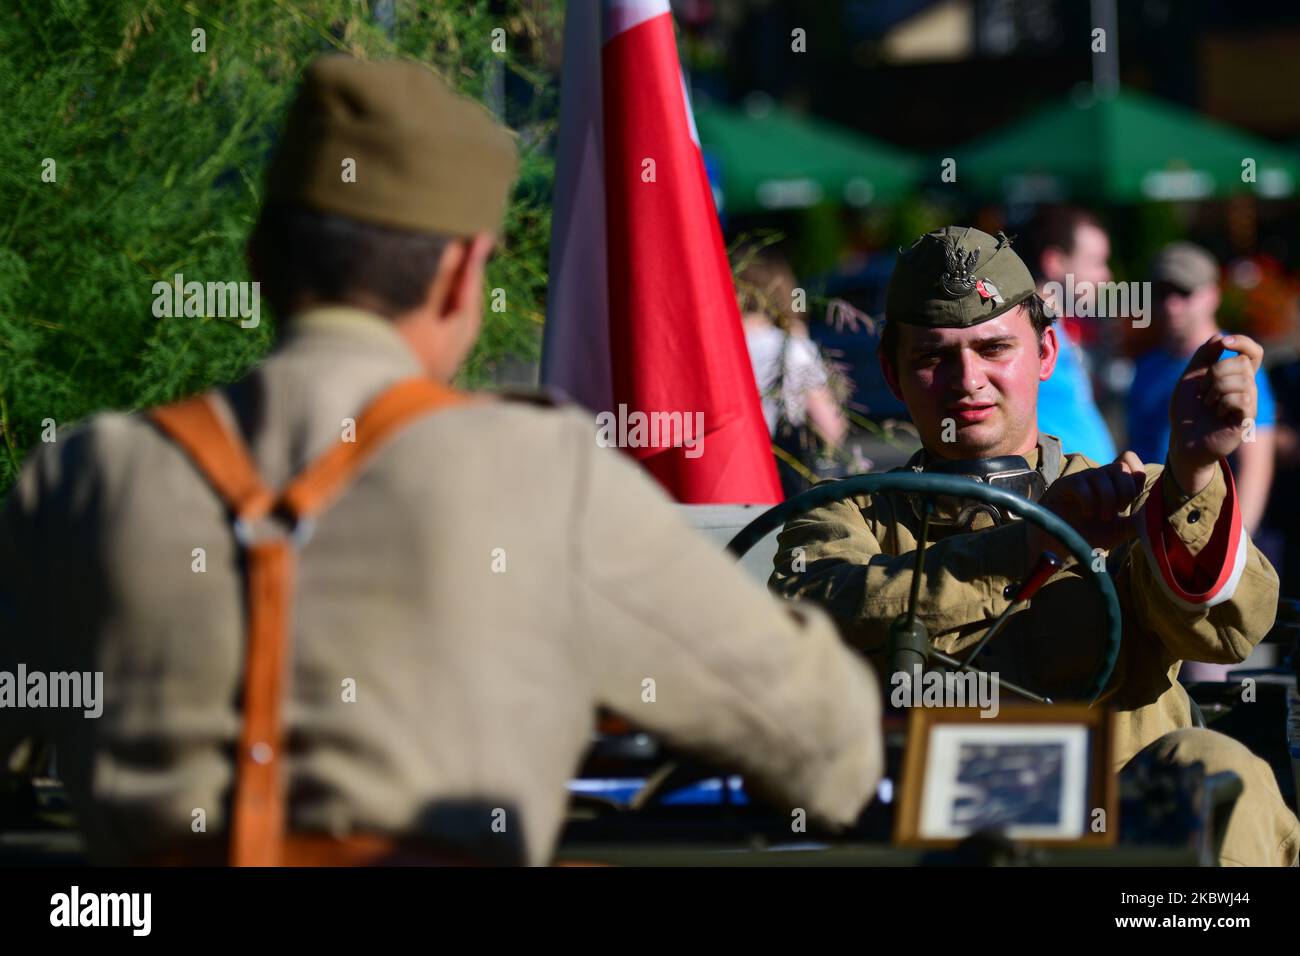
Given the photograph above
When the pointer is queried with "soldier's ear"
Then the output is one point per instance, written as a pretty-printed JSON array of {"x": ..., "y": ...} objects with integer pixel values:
[
  {"x": 464, "y": 266},
  {"x": 1048, "y": 349}
]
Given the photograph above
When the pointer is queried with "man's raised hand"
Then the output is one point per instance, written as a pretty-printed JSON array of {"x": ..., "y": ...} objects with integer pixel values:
[{"x": 1210, "y": 406}]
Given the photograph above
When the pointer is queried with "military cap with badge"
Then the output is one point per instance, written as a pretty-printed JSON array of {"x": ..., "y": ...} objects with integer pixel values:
[{"x": 956, "y": 277}]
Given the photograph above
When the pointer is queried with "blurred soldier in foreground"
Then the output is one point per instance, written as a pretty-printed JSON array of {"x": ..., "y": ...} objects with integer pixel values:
[
  {"x": 354, "y": 615},
  {"x": 966, "y": 344}
]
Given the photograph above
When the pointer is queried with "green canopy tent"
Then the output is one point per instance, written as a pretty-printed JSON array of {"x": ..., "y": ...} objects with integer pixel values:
[
  {"x": 1125, "y": 148},
  {"x": 775, "y": 159}
]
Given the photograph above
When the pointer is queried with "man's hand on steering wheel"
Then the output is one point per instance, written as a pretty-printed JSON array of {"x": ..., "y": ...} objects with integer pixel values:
[
  {"x": 1094, "y": 503},
  {"x": 911, "y": 632}
]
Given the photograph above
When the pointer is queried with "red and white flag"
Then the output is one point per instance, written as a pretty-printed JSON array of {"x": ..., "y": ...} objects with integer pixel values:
[{"x": 642, "y": 323}]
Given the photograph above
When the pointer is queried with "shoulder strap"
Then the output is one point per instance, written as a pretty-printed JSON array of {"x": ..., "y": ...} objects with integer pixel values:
[
  {"x": 257, "y": 825},
  {"x": 319, "y": 483},
  {"x": 222, "y": 458}
]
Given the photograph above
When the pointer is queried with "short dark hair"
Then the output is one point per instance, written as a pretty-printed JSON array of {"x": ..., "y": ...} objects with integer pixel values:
[
  {"x": 1039, "y": 318},
  {"x": 300, "y": 251},
  {"x": 1051, "y": 227}
]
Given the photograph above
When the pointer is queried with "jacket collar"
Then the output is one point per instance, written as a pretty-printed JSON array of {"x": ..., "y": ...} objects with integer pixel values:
[
  {"x": 350, "y": 328},
  {"x": 1046, "y": 458}
]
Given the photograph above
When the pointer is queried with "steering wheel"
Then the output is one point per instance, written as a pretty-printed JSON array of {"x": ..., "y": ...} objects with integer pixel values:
[{"x": 929, "y": 487}]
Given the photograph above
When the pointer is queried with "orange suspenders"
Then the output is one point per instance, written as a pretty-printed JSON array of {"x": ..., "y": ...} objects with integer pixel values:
[{"x": 257, "y": 828}]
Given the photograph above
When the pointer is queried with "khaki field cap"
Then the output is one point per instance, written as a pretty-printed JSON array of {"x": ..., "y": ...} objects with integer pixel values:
[
  {"x": 425, "y": 158},
  {"x": 956, "y": 277},
  {"x": 1185, "y": 265}
]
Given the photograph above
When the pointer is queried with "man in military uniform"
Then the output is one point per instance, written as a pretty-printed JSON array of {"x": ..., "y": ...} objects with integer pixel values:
[
  {"x": 965, "y": 345},
  {"x": 312, "y": 654}
]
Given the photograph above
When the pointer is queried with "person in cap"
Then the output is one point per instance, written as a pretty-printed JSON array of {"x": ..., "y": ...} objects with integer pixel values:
[
  {"x": 345, "y": 613},
  {"x": 1185, "y": 297},
  {"x": 965, "y": 345}
]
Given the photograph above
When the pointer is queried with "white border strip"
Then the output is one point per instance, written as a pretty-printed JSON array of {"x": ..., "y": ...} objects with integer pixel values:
[{"x": 622, "y": 15}]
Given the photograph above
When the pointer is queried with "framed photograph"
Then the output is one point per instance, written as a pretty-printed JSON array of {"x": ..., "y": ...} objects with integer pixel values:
[{"x": 1036, "y": 773}]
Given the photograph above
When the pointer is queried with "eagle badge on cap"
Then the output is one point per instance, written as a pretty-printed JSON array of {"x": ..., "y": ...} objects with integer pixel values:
[{"x": 958, "y": 279}]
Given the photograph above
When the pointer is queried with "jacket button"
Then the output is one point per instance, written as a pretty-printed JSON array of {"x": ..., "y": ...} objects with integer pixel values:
[{"x": 1193, "y": 516}]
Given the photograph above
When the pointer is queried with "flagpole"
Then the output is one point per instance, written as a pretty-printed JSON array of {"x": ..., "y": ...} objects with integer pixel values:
[{"x": 1105, "y": 65}]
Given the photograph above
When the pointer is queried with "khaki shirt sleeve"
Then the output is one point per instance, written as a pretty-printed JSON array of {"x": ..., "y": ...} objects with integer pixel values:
[
  {"x": 1220, "y": 618},
  {"x": 43, "y": 545},
  {"x": 681, "y": 642},
  {"x": 831, "y": 556}
]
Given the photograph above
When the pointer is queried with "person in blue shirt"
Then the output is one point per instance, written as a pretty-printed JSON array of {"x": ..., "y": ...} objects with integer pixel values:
[
  {"x": 1283, "y": 514},
  {"x": 1066, "y": 241},
  {"x": 1185, "y": 297}
]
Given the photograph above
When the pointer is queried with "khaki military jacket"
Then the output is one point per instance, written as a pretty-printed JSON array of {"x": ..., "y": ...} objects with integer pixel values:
[
  {"x": 855, "y": 558},
  {"x": 491, "y": 579}
]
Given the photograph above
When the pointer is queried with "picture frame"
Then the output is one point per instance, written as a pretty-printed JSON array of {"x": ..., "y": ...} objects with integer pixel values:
[{"x": 1038, "y": 773}]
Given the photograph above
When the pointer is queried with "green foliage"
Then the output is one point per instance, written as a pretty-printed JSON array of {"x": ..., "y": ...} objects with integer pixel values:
[
  {"x": 914, "y": 217},
  {"x": 160, "y": 152},
  {"x": 818, "y": 239}
]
